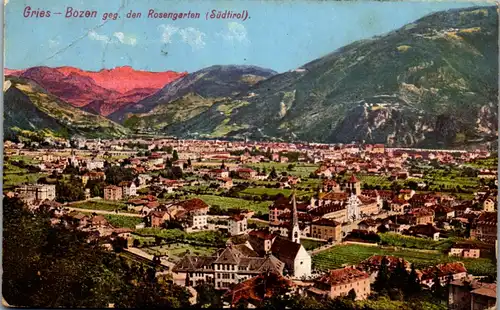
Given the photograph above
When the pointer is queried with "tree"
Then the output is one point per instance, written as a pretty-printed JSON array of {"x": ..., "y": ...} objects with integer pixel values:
[
  {"x": 399, "y": 278},
  {"x": 386, "y": 205},
  {"x": 119, "y": 244},
  {"x": 298, "y": 301},
  {"x": 69, "y": 169},
  {"x": 222, "y": 166},
  {"x": 395, "y": 186},
  {"x": 115, "y": 175},
  {"x": 175, "y": 156},
  {"x": 207, "y": 296},
  {"x": 155, "y": 295},
  {"x": 290, "y": 167},
  {"x": 69, "y": 191},
  {"x": 273, "y": 174},
  {"x": 189, "y": 162},
  {"x": 351, "y": 295},
  {"x": 412, "y": 185},
  {"x": 380, "y": 284},
  {"x": 339, "y": 303},
  {"x": 437, "y": 288},
  {"x": 49, "y": 266},
  {"x": 136, "y": 243},
  {"x": 168, "y": 149},
  {"x": 96, "y": 188}
]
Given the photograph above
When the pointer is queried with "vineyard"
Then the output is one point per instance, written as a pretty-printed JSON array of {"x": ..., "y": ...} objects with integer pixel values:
[
  {"x": 259, "y": 191},
  {"x": 311, "y": 244},
  {"x": 176, "y": 251},
  {"x": 343, "y": 255},
  {"x": 122, "y": 221},
  {"x": 415, "y": 243},
  {"x": 105, "y": 205},
  {"x": 236, "y": 203},
  {"x": 176, "y": 235}
]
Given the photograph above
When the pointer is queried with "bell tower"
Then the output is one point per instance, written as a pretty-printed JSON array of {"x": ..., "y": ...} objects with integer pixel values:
[
  {"x": 354, "y": 185},
  {"x": 295, "y": 229}
]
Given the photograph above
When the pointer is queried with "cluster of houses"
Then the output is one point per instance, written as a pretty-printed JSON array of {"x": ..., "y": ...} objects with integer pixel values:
[
  {"x": 338, "y": 210},
  {"x": 465, "y": 291},
  {"x": 247, "y": 255},
  {"x": 275, "y": 257},
  {"x": 324, "y": 217}
]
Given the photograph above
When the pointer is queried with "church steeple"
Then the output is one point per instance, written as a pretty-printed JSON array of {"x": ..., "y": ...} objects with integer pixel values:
[{"x": 295, "y": 229}]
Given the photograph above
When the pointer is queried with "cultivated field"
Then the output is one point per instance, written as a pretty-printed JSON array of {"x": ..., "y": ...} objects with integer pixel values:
[{"x": 341, "y": 255}]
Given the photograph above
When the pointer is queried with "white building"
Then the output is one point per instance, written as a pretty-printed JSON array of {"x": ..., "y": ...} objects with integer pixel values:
[
  {"x": 31, "y": 192},
  {"x": 237, "y": 224},
  {"x": 95, "y": 164},
  {"x": 353, "y": 210},
  {"x": 249, "y": 255},
  {"x": 128, "y": 189}
]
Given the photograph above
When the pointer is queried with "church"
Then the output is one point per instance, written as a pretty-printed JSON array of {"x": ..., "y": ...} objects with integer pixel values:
[
  {"x": 248, "y": 255},
  {"x": 343, "y": 206}
]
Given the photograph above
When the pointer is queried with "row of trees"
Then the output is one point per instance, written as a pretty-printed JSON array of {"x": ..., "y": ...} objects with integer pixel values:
[{"x": 399, "y": 284}]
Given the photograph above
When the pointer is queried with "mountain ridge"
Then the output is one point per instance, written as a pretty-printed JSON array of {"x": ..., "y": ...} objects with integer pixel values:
[
  {"x": 213, "y": 82},
  {"x": 30, "y": 110},
  {"x": 428, "y": 83},
  {"x": 107, "y": 90}
]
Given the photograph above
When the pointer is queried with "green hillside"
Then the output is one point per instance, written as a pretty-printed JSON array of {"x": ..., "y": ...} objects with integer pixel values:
[
  {"x": 30, "y": 111},
  {"x": 431, "y": 83}
]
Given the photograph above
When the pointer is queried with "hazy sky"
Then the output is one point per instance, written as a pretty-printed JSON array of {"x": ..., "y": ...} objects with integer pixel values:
[{"x": 280, "y": 35}]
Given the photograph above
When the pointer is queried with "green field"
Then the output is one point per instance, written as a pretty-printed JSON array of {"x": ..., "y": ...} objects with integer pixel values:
[
  {"x": 8, "y": 168},
  {"x": 176, "y": 235},
  {"x": 437, "y": 179},
  {"x": 385, "y": 303},
  {"x": 123, "y": 221},
  {"x": 341, "y": 255},
  {"x": 233, "y": 203},
  {"x": 487, "y": 163},
  {"x": 311, "y": 244},
  {"x": 177, "y": 251},
  {"x": 300, "y": 169},
  {"x": 11, "y": 180},
  {"x": 259, "y": 191},
  {"x": 258, "y": 223},
  {"x": 374, "y": 180},
  {"x": 104, "y": 205},
  {"x": 27, "y": 159},
  {"x": 415, "y": 243}
]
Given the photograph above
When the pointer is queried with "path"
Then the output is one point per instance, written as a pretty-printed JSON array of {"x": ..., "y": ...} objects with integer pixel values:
[
  {"x": 322, "y": 248},
  {"x": 178, "y": 278},
  {"x": 104, "y": 212},
  {"x": 253, "y": 219}
]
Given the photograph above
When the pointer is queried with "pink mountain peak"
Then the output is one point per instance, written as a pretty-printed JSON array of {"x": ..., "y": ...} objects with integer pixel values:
[
  {"x": 126, "y": 78},
  {"x": 112, "y": 87}
]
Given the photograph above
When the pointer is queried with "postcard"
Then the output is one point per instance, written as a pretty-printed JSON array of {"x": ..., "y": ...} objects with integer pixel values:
[{"x": 250, "y": 154}]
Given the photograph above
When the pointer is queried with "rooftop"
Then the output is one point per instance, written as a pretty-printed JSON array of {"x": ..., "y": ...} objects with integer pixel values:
[{"x": 343, "y": 276}]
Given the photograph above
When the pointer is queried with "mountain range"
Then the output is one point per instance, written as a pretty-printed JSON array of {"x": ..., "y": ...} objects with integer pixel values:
[
  {"x": 433, "y": 82},
  {"x": 101, "y": 92}
]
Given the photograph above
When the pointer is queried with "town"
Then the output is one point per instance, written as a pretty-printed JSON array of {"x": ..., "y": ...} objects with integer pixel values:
[{"x": 321, "y": 221}]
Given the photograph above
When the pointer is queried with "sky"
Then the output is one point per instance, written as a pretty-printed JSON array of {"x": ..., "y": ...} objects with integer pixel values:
[{"x": 280, "y": 35}]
